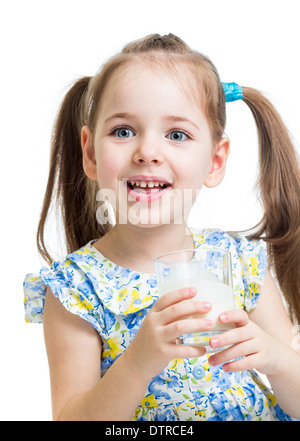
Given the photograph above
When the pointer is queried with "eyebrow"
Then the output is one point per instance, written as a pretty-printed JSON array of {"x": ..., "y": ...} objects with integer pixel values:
[
  {"x": 119, "y": 116},
  {"x": 172, "y": 118},
  {"x": 175, "y": 118}
]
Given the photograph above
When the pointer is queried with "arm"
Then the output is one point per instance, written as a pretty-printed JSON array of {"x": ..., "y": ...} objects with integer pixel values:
[
  {"x": 266, "y": 340},
  {"x": 271, "y": 316},
  {"x": 74, "y": 354}
]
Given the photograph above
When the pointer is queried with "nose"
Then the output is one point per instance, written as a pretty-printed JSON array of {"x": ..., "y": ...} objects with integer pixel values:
[{"x": 148, "y": 152}]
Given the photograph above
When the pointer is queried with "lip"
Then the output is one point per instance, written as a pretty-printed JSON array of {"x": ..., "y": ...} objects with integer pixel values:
[{"x": 154, "y": 195}]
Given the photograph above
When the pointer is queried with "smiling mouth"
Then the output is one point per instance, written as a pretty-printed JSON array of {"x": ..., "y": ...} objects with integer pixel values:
[
  {"x": 146, "y": 190},
  {"x": 147, "y": 187}
]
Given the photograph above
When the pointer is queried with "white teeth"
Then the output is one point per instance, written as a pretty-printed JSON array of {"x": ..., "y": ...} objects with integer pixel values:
[{"x": 149, "y": 184}]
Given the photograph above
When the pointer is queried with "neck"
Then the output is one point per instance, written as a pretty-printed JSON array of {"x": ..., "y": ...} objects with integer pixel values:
[{"x": 136, "y": 248}]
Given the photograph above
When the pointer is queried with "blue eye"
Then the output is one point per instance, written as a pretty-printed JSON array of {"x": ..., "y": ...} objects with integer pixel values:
[
  {"x": 123, "y": 132},
  {"x": 176, "y": 135}
]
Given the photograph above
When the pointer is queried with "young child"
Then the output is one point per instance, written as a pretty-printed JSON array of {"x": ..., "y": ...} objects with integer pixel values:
[{"x": 148, "y": 130}]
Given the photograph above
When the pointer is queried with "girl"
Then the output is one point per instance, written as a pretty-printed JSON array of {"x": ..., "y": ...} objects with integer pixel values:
[{"x": 148, "y": 130}]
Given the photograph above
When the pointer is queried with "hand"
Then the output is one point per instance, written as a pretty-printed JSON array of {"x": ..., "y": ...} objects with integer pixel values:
[
  {"x": 258, "y": 349},
  {"x": 154, "y": 345}
]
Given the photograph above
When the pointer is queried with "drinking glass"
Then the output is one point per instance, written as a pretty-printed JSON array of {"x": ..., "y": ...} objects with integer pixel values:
[{"x": 209, "y": 270}]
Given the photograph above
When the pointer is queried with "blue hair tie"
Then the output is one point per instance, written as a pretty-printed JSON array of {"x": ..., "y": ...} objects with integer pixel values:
[{"x": 233, "y": 92}]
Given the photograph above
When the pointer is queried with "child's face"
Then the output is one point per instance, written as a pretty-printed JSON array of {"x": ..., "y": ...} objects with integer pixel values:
[{"x": 152, "y": 146}]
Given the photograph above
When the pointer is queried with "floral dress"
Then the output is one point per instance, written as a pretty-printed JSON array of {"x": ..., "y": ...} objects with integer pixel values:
[{"x": 115, "y": 301}]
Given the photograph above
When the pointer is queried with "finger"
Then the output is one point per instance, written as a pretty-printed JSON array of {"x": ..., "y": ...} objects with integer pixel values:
[
  {"x": 237, "y": 316},
  {"x": 231, "y": 337},
  {"x": 246, "y": 363},
  {"x": 174, "y": 297},
  {"x": 243, "y": 349},
  {"x": 184, "y": 351},
  {"x": 183, "y": 309},
  {"x": 176, "y": 329}
]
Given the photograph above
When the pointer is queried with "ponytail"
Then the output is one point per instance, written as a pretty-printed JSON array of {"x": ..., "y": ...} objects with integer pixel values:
[
  {"x": 74, "y": 193},
  {"x": 279, "y": 183}
]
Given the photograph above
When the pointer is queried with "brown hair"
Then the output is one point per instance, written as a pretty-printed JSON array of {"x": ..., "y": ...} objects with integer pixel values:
[
  {"x": 279, "y": 184},
  {"x": 279, "y": 180}
]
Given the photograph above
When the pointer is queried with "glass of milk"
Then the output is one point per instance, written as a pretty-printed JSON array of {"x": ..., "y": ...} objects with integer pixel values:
[{"x": 209, "y": 271}]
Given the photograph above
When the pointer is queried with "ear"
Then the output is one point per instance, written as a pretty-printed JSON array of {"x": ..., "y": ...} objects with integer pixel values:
[
  {"x": 218, "y": 167},
  {"x": 88, "y": 156}
]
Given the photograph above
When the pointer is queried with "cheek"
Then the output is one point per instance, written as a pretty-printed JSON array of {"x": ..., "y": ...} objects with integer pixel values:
[
  {"x": 203, "y": 163},
  {"x": 195, "y": 172},
  {"x": 107, "y": 170}
]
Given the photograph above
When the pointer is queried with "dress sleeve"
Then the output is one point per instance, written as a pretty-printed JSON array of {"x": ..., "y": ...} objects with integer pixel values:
[
  {"x": 253, "y": 260},
  {"x": 34, "y": 298},
  {"x": 71, "y": 286}
]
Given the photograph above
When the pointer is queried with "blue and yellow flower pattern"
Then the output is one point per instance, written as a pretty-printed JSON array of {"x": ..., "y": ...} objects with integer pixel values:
[{"x": 115, "y": 301}]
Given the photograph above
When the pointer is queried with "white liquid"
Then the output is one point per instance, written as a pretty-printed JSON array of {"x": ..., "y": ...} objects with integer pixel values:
[{"x": 211, "y": 290}]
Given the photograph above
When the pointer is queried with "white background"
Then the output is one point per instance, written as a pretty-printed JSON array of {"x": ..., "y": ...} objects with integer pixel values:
[{"x": 45, "y": 45}]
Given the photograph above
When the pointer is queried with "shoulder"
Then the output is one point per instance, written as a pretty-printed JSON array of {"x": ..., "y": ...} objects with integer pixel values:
[
  {"x": 249, "y": 262},
  {"x": 70, "y": 281},
  {"x": 231, "y": 241},
  {"x": 73, "y": 271},
  {"x": 249, "y": 254},
  {"x": 89, "y": 285}
]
